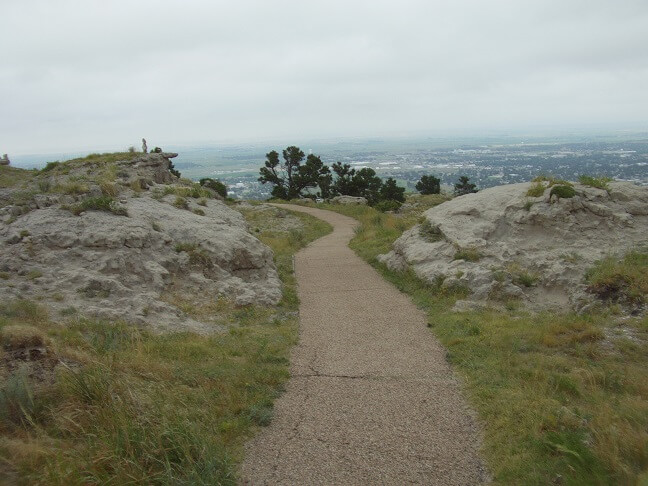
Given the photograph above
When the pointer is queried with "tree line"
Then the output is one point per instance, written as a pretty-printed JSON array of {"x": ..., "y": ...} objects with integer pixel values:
[{"x": 298, "y": 175}]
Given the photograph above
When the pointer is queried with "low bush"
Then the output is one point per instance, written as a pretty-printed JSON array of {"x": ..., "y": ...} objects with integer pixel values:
[
  {"x": 387, "y": 205},
  {"x": 563, "y": 191},
  {"x": 181, "y": 203}
]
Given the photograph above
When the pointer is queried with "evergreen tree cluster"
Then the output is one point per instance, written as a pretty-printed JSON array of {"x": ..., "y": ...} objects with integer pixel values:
[
  {"x": 293, "y": 178},
  {"x": 298, "y": 175}
]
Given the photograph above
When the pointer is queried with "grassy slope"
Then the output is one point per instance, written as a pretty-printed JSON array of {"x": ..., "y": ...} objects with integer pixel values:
[
  {"x": 563, "y": 398},
  {"x": 132, "y": 407}
]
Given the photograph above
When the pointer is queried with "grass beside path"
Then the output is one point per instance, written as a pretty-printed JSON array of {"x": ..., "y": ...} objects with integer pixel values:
[
  {"x": 131, "y": 407},
  {"x": 563, "y": 398}
]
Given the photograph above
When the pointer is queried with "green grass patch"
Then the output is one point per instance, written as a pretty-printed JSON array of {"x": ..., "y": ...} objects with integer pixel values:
[
  {"x": 467, "y": 254},
  {"x": 598, "y": 182},
  {"x": 100, "y": 203},
  {"x": 133, "y": 407},
  {"x": 13, "y": 176},
  {"x": 563, "y": 397},
  {"x": 563, "y": 191},
  {"x": 623, "y": 280},
  {"x": 542, "y": 182}
]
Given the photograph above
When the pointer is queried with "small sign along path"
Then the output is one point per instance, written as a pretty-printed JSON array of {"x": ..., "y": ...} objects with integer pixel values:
[{"x": 371, "y": 399}]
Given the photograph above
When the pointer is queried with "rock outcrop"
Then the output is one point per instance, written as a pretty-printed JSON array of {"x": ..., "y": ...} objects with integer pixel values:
[
  {"x": 499, "y": 243},
  {"x": 104, "y": 264},
  {"x": 349, "y": 200}
]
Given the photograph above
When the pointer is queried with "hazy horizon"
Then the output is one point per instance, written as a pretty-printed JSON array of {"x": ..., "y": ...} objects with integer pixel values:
[{"x": 101, "y": 75}]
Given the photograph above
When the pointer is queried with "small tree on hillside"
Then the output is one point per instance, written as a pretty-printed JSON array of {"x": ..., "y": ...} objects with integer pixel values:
[
  {"x": 390, "y": 191},
  {"x": 214, "y": 185},
  {"x": 291, "y": 177},
  {"x": 464, "y": 187},
  {"x": 428, "y": 185}
]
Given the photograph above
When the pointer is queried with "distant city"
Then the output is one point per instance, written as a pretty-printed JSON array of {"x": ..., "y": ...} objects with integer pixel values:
[{"x": 487, "y": 163}]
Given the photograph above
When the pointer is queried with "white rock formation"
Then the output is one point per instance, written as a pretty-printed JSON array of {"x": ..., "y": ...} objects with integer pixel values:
[
  {"x": 536, "y": 249},
  {"x": 118, "y": 267}
]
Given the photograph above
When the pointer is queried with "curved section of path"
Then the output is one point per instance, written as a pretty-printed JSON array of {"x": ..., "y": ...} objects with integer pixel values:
[{"x": 371, "y": 399}]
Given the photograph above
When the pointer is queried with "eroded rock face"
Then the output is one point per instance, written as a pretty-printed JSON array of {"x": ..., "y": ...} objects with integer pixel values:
[
  {"x": 533, "y": 248},
  {"x": 99, "y": 264}
]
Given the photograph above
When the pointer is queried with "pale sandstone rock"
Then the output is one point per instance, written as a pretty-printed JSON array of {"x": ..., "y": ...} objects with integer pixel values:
[
  {"x": 555, "y": 241},
  {"x": 118, "y": 267}
]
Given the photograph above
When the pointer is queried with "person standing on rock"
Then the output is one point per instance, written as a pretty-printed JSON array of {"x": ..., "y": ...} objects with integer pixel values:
[{"x": 144, "y": 147}]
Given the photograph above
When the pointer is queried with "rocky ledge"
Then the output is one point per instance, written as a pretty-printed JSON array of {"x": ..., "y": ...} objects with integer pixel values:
[
  {"x": 111, "y": 239},
  {"x": 501, "y": 243}
]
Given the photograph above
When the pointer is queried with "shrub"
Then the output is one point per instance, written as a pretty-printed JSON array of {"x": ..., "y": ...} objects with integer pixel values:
[
  {"x": 463, "y": 186},
  {"x": 108, "y": 188},
  {"x": 215, "y": 185},
  {"x": 389, "y": 205},
  {"x": 50, "y": 166},
  {"x": 563, "y": 191},
  {"x": 44, "y": 185},
  {"x": 598, "y": 182},
  {"x": 428, "y": 185},
  {"x": 198, "y": 211},
  {"x": 390, "y": 191},
  {"x": 181, "y": 203}
]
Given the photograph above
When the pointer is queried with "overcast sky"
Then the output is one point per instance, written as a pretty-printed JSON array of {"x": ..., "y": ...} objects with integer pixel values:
[{"x": 86, "y": 74}]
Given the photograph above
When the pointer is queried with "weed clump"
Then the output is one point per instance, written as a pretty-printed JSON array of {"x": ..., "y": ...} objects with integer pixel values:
[
  {"x": 598, "y": 182},
  {"x": 541, "y": 183},
  {"x": 622, "y": 280},
  {"x": 536, "y": 190},
  {"x": 100, "y": 203},
  {"x": 430, "y": 232},
  {"x": 181, "y": 203}
]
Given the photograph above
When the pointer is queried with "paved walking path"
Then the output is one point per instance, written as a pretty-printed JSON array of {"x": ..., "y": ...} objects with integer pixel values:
[{"x": 371, "y": 399}]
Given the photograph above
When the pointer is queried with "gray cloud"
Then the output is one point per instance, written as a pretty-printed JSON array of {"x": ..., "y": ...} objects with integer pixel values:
[{"x": 95, "y": 74}]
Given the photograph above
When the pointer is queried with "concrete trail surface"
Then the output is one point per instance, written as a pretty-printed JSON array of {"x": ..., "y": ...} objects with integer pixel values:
[{"x": 371, "y": 399}]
